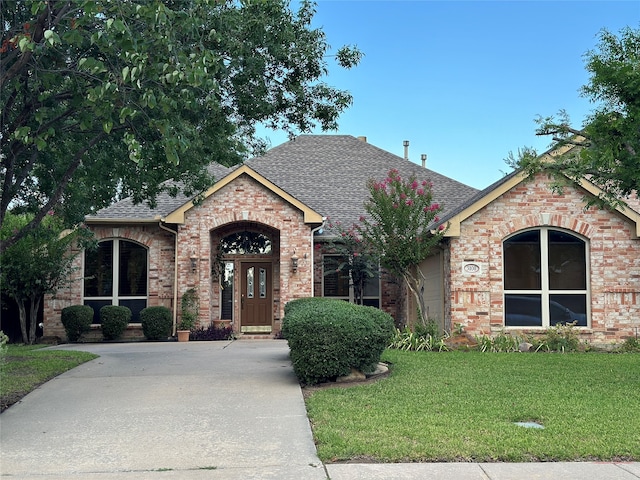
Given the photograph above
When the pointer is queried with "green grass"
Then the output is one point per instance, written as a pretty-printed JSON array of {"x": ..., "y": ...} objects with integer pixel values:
[
  {"x": 461, "y": 406},
  {"x": 24, "y": 368}
]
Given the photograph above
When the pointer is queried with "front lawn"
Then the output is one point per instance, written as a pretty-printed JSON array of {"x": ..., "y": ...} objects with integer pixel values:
[
  {"x": 24, "y": 368},
  {"x": 461, "y": 406}
]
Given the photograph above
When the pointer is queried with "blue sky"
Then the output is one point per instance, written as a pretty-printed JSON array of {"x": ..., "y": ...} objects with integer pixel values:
[{"x": 464, "y": 80}]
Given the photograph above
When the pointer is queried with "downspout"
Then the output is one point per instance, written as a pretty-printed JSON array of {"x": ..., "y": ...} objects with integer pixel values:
[
  {"x": 313, "y": 250},
  {"x": 175, "y": 275}
]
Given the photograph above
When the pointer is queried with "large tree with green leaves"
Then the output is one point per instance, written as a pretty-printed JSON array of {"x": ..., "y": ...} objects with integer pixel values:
[
  {"x": 101, "y": 99},
  {"x": 607, "y": 147}
]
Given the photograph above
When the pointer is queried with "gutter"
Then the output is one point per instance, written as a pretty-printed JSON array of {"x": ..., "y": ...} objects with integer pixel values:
[
  {"x": 313, "y": 250},
  {"x": 175, "y": 275}
]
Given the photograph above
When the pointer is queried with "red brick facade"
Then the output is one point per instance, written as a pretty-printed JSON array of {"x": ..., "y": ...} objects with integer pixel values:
[
  {"x": 474, "y": 300},
  {"x": 613, "y": 260}
]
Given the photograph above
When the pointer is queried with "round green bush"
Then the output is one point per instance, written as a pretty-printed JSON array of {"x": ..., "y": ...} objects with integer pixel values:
[
  {"x": 156, "y": 322},
  {"x": 327, "y": 338},
  {"x": 114, "y": 320},
  {"x": 76, "y": 320}
]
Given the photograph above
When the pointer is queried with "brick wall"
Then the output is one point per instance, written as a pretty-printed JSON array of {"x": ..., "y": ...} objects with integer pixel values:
[
  {"x": 244, "y": 203},
  {"x": 476, "y": 300},
  {"x": 160, "y": 245}
]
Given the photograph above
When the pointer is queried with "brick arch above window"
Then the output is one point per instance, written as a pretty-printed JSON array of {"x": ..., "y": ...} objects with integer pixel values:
[
  {"x": 551, "y": 220},
  {"x": 133, "y": 234}
]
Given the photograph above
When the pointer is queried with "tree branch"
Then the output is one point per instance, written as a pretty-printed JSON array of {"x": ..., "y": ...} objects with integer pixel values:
[{"x": 56, "y": 196}]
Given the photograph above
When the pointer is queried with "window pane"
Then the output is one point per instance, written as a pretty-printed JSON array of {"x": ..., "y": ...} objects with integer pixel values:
[
  {"x": 98, "y": 270},
  {"x": 336, "y": 283},
  {"x": 522, "y": 262},
  {"x": 372, "y": 286},
  {"x": 523, "y": 310},
  {"x": 133, "y": 269},
  {"x": 568, "y": 309},
  {"x": 567, "y": 265},
  {"x": 246, "y": 243},
  {"x": 135, "y": 306},
  {"x": 371, "y": 302},
  {"x": 227, "y": 292},
  {"x": 97, "y": 305}
]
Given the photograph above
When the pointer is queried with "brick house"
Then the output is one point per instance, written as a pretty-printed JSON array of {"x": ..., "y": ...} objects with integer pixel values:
[{"x": 256, "y": 240}]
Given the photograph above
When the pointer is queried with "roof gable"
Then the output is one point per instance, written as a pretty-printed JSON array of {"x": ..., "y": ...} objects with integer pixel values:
[{"x": 310, "y": 216}]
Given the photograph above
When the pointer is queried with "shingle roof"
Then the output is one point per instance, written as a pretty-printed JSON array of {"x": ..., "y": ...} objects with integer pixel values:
[
  {"x": 127, "y": 210},
  {"x": 328, "y": 173}
]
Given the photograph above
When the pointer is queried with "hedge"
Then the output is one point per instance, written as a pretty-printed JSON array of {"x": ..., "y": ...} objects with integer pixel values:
[
  {"x": 156, "y": 322},
  {"x": 114, "y": 320},
  {"x": 327, "y": 338},
  {"x": 76, "y": 320}
]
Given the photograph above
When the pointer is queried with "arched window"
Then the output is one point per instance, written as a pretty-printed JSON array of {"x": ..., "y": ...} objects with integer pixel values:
[
  {"x": 545, "y": 279},
  {"x": 116, "y": 273}
]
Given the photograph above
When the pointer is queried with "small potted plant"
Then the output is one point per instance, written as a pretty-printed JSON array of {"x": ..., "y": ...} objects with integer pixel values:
[{"x": 189, "y": 307}]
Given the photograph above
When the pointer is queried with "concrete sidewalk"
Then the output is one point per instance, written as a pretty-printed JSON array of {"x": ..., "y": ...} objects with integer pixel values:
[{"x": 202, "y": 410}]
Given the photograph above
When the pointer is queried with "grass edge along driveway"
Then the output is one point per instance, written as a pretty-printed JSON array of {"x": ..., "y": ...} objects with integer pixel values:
[
  {"x": 461, "y": 406},
  {"x": 23, "y": 368}
]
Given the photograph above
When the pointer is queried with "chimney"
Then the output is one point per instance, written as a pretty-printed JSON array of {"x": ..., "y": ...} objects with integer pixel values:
[
  {"x": 363, "y": 139},
  {"x": 406, "y": 149},
  {"x": 423, "y": 157}
]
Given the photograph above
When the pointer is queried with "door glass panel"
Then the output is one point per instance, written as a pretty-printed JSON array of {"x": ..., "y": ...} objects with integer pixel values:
[
  {"x": 522, "y": 262},
  {"x": 227, "y": 292},
  {"x": 567, "y": 263},
  {"x": 263, "y": 283},
  {"x": 250, "y": 282}
]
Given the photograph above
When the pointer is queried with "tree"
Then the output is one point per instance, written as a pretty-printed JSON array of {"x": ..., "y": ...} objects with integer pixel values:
[
  {"x": 37, "y": 264},
  {"x": 354, "y": 257},
  {"x": 102, "y": 99},
  {"x": 607, "y": 148},
  {"x": 400, "y": 227}
]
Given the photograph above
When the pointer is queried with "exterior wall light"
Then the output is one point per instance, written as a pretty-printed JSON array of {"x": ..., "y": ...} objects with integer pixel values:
[
  {"x": 194, "y": 263},
  {"x": 294, "y": 263}
]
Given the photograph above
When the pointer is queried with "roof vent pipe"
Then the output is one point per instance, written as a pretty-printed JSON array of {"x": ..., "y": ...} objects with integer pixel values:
[
  {"x": 406, "y": 149},
  {"x": 423, "y": 157}
]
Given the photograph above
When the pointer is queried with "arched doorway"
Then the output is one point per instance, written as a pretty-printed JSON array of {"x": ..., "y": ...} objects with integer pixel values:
[{"x": 245, "y": 275}]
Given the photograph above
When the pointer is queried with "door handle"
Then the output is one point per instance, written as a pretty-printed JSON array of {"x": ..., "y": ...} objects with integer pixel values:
[{"x": 242, "y": 301}]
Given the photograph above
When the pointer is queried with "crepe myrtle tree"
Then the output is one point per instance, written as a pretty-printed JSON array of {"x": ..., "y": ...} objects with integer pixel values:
[
  {"x": 105, "y": 99},
  {"x": 606, "y": 149},
  {"x": 353, "y": 257},
  {"x": 400, "y": 227}
]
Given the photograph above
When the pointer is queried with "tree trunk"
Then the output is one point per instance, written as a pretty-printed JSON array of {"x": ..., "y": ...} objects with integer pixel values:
[
  {"x": 23, "y": 321},
  {"x": 33, "y": 317}
]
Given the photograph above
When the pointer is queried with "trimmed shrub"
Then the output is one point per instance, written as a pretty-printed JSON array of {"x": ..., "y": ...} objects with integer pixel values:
[
  {"x": 327, "y": 338},
  {"x": 156, "y": 322},
  {"x": 76, "y": 320},
  {"x": 114, "y": 320},
  {"x": 301, "y": 302}
]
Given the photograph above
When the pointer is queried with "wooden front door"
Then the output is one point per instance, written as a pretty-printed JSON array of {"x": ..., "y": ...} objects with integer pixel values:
[{"x": 256, "y": 299}]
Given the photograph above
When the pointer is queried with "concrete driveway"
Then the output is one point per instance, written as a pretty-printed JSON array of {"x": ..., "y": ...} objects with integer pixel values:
[{"x": 164, "y": 411}]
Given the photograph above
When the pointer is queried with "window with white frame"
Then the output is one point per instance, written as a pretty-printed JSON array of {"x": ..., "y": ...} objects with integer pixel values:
[
  {"x": 116, "y": 273},
  {"x": 337, "y": 283},
  {"x": 545, "y": 279}
]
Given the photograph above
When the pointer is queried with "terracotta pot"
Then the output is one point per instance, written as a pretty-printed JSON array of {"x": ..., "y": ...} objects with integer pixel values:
[{"x": 183, "y": 335}]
